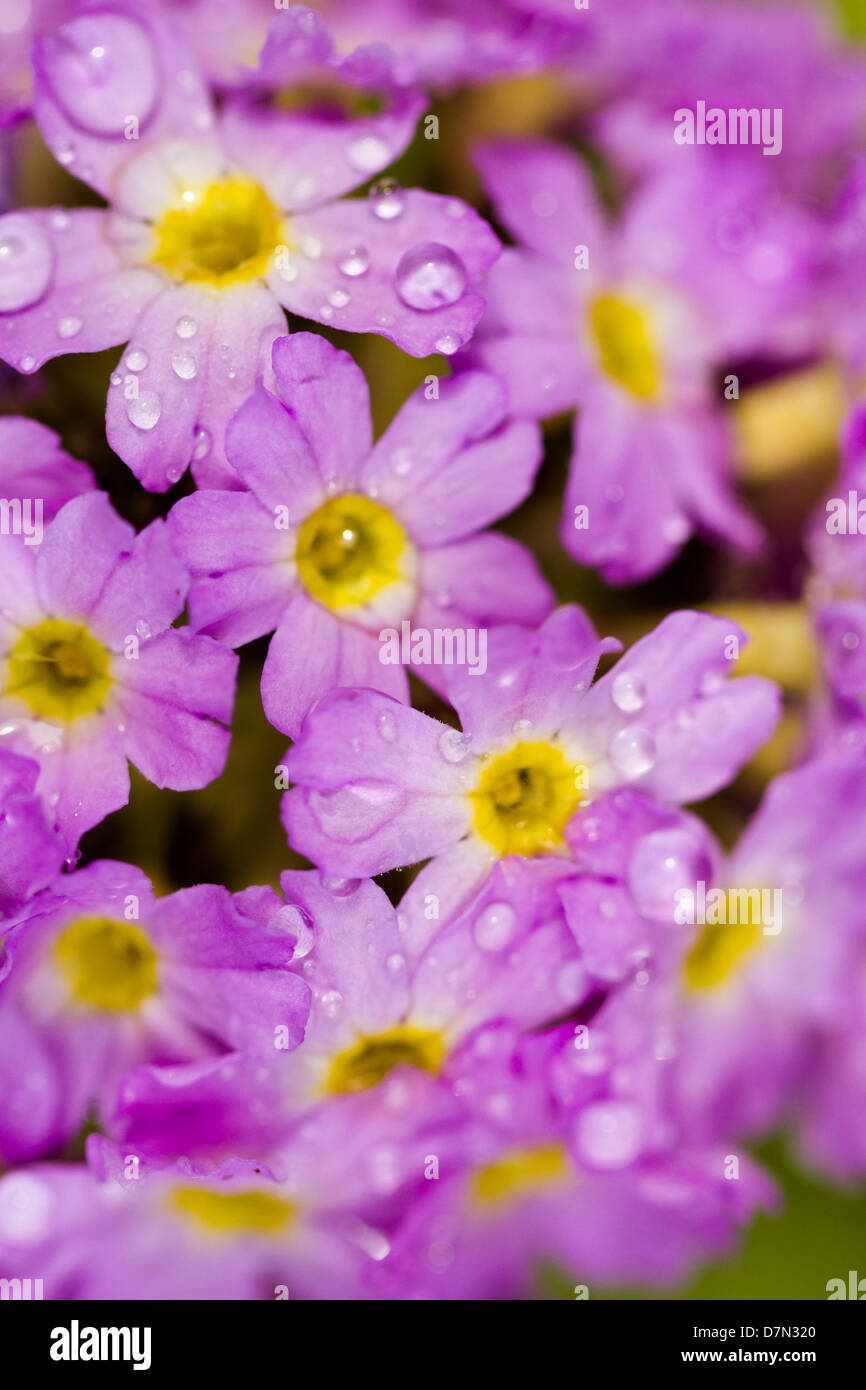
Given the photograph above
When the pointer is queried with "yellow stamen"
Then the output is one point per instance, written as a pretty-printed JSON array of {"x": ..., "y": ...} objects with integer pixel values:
[
  {"x": 221, "y": 235},
  {"x": 233, "y": 1213},
  {"x": 723, "y": 947},
  {"x": 372, "y": 1058},
  {"x": 525, "y": 798},
  {"x": 519, "y": 1174},
  {"x": 349, "y": 550},
  {"x": 59, "y": 670},
  {"x": 625, "y": 342},
  {"x": 107, "y": 965}
]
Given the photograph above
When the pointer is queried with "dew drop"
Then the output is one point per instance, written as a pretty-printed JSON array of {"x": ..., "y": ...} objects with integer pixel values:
[
  {"x": 136, "y": 360},
  {"x": 186, "y": 327},
  {"x": 387, "y": 726},
  {"x": 386, "y": 200},
  {"x": 183, "y": 364},
  {"x": 452, "y": 746},
  {"x": 26, "y": 262},
  {"x": 354, "y": 261},
  {"x": 69, "y": 326},
  {"x": 430, "y": 276},
  {"x": 629, "y": 692},
  {"x": 494, "y": 926},
  {"x": 632, "y": 752},
  {"x": 144, "y": 412},
  {"x": 368, "y": 154}
]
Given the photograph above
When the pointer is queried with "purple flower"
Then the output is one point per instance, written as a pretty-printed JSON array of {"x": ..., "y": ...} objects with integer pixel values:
[
  {"x": 36, "y": 472},
  {"x": 754, "y": 952},
  {"x": 30, "y": 852},
  {"x": 632, "y": 323},
  {"x": 121, "y": 1230},
  {"x": 373, "y": 792},
  {"x": 214, "y": 224},
  {"x": 389, "y": 1001},
  {"x": 656, "y": 59},
  {"x": 343, "y": 545},
  {"x": 581, "y": 1190},
  {"x": 100, "y": 977},
  {"x": 94, "y": 674}
]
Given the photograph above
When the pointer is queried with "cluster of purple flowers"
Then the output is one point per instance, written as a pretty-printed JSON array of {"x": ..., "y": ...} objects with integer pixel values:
[{"x": 555, "y": 1047}]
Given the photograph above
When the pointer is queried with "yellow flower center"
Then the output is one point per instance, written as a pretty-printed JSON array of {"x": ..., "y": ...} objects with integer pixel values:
[
  {"x": 220, "y": 235},
  {"x": 525, "y": 798},
  {"x": 519, "y": 1174},
  {"x": 107, "y": 965},
  {"x": 723, "y": 947},
  {"x": 348, "y": 550},
  {"x": 371, "y": 1059},
  {"x": 625, "y": 343},
  {"x": 59, "y": 670},
  {"x": 233, "y": 1213}
]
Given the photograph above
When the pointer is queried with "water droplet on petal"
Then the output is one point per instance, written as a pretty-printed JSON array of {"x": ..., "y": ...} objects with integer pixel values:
[
  {"x": 69, "y": 326},
  {"x": 144, "y": 412},
  {"x": 452, "y": 746},
  {"x": 386, "y": 199},
  {"x": 387, "y": 726},
  {"x": 609, "y": 1133},
  {"x": 632, "y": 752},
  {"x": 354, "y": 261},
  {"x": 448, "y": 344},
  {"x": 186, "y": 327},
  {"x": 201, "y": 444},
  {"x": 339, "y": 299},
  {"x": 183, "y": 364},
  {"x": 629, "y": 692},
  {"x": 430, "y": 276},
  {"x": 494, "y": 926},
  {"x": 100, "y": 68},
  {"x": 368, "y": 154},
  {"x": 332, "y": 1002},
  {"x": 136, "y": 360},
  {"x": 26, "y": 262}
]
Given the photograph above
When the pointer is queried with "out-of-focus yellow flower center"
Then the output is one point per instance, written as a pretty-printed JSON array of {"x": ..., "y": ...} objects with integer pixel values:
[
  {"x": 520, "y": 1173},
  {"x": 372, "y": 1058},
  {"x": 107, "y": 965},
  {"x": 220, "y": 235},
  {"x": 59, "y": 670},
  {"x": 723, "y": 947},
  {"x": 525, "y": 798},
  {"x": 233, "y": 1213},
  {"x": 349, "y": 550},
  {"x": 625, "y": 342}
]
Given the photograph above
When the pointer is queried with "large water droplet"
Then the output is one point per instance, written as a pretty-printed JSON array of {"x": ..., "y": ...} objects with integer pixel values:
[
  {"x": 430, "y": 276},
  {"x": 494, "y": 926},
  {"x": 632, "y": 752},
  {"x": 629, "y": 692},
  {"x": 145, "y": 410},
  {"x": 186, "y": 327},
  {"x": 102, "y": 68},
  {"x": 26, "y": 262}
]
